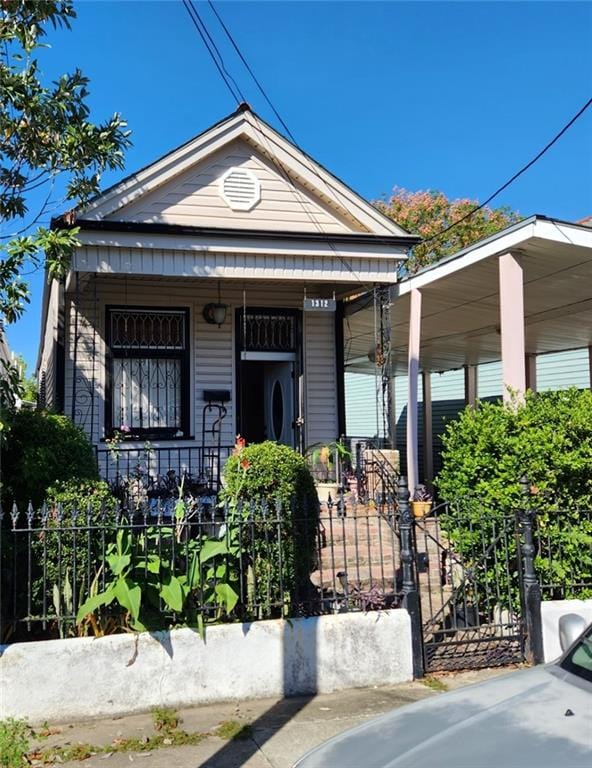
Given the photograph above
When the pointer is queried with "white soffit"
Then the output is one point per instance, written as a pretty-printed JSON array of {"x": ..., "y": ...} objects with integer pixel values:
[{"x": 460, "y": 307}]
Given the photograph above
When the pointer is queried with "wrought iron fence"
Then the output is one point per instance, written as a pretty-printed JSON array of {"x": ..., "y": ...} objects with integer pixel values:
[
  {"x": 563, "y": 554},
  {"x": 468, "y": 575},
  {"x": 68, "y": 571}
]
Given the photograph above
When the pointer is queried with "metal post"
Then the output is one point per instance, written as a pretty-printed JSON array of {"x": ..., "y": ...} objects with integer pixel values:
[
  {"x": 410, "y": 591},
  {"x": 529, "y": 582}
]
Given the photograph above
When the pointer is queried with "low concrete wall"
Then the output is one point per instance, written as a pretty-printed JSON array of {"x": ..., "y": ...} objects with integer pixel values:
[
  {"x": 80, "y": 678},
  {"x": 551, "y": 612}
]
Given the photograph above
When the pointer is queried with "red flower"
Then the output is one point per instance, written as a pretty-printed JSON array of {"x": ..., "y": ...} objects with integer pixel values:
[
  {"x": 239, "y": 444},
  {"x": 245, "y": 463}
]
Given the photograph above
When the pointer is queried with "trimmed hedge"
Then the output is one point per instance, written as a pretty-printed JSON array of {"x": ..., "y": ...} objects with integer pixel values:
[
  {"x": 547, "y": 439},
  {"x": 270, "y": 479},
  {"x": 39, "y": 450}
]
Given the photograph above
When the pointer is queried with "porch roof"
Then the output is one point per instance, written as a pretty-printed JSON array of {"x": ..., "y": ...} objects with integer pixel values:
[{"x": 460, "y": 316}]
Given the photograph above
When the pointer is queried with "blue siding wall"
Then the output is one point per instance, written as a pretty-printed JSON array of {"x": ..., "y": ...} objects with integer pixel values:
[
  {"x": 563, "y": 370},
  {"x": 554, "y": 371}
]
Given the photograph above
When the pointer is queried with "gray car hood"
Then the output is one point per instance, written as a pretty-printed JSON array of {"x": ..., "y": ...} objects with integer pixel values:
[{"x": 515, "y": 720}]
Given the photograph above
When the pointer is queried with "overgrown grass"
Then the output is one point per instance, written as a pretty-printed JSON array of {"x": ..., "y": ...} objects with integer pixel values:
[
  {"x": 232, "y": 729},
  {"x": 14, "y": 743},
  {"x": 168, "y": 734},
  {"x": 434, "y": 683},
  {"x": 165, "y": 719}
]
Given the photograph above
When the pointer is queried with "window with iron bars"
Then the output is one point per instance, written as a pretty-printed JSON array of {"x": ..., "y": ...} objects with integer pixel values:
[{"x": 147, "y": 393}]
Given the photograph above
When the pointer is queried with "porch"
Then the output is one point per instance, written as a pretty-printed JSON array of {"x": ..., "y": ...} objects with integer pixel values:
[{"x": 483, "y": 317}]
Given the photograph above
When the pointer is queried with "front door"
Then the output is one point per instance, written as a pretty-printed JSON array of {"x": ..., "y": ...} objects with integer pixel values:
[
  {"x": 278, "y": 388},
  {"x": 269, "y": 375}
]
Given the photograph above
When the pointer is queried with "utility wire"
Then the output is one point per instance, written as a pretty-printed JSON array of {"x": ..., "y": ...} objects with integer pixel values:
[
  {"x": 250, "y": 71},
  {"x": 519, "y": 173},
  {"x": 212, "y": 49},
  {"x": 276, "y": 160}
]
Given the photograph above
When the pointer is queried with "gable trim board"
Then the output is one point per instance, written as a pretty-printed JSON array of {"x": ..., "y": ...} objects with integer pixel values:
[{"x": 248, "y": 126}]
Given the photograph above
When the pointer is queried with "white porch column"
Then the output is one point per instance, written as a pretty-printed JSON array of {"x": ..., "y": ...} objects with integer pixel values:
[
  {"x": 470, "y": 385},
  {"x": 428, "y": 448},
  {"x": 590, "y": 364},
  {"x": 512, "y": 325},
  {"x": 413, "y": 374}
]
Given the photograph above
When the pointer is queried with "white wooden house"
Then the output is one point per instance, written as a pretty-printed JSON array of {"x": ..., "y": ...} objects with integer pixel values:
[{"x": 199, "y": 304}]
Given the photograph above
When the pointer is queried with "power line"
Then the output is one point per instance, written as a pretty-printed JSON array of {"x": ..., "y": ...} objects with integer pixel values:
[
  {"x": 277, "y": 162},
  {"x": 519, "y": 173},
  {"x": 212, "y": 49},
  {"x": 250, "y": 71}
]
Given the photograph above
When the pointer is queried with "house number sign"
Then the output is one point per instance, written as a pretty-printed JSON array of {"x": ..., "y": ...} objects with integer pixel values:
[{"x": 319, "y": 305}]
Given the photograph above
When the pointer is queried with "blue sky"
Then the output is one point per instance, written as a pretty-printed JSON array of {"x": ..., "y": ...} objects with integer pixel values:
[{"x": 450, "y": 96}]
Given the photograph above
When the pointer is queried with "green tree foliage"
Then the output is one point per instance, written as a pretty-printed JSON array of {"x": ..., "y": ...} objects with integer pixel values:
[
  {"x": 548, "y": 440},
  {"x": 42, "y": 449},
  {"x": 427, "y": 213},
  {"x": 45, "y": 137},
  {"x": 269, "y": 483}
]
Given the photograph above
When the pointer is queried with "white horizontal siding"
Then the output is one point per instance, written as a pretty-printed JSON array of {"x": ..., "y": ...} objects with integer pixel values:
[
  {"x": 212, "y": 348},
  {"x": 320, "y": 375},
  {"x": 193, "y": 198}
]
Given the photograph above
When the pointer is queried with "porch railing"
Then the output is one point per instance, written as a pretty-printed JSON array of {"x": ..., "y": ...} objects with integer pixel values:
[
  {"x": 375, "y": 474},
  {"x": 145, "y": 473}
]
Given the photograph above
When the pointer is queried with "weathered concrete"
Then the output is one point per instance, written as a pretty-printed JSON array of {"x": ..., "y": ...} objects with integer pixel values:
[
  {"x": 282, "y": 730},
  {"x": 551, "y": 612},
  {"x": 60, "y": 680}
]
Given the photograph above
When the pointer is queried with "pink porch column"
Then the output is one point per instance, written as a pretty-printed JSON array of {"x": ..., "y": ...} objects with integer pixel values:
[
  {"x": 471, "y": 385},
  {"x": 512, "y": 325},
  {"x": 531, "y": 372},
  {"x": 412, "y": 380}
]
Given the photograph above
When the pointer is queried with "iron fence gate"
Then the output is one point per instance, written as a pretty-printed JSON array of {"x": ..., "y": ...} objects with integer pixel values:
[{"x": 471, "y": 594}]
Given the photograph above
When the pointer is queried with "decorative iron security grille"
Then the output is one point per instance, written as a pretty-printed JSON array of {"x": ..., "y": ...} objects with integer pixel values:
[
  {"x": 148, "y": 370},
  {"x": 263, "y": 332},
  {"x": 146, "y": 329}
]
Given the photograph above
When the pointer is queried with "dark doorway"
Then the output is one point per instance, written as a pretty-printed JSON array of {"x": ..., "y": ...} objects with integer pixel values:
[
  {"x": 252, "y": 422},
  {"x": 267, "y": 397}
]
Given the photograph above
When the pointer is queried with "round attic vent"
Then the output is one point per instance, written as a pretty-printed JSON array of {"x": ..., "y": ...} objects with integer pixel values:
[{"x": 240, "y": 189}]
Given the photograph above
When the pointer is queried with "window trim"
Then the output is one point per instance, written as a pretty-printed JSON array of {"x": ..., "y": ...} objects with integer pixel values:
[{"x": 184, "y": 355}]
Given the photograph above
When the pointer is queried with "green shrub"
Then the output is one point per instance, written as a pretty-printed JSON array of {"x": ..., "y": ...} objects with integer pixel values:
[
  {"x": 14, "y": 743},
  {"x": 548, "y": 440},
  {"x": 41, "y": 449},
  {"x": 273, "y": 482}
]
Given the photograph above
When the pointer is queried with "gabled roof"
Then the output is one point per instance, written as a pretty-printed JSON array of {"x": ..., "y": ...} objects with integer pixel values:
[{"x": 246, "y": 125}]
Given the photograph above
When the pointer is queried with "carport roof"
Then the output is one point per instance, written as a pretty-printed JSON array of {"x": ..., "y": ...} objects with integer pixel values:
[{"x": 460, "y": 322}]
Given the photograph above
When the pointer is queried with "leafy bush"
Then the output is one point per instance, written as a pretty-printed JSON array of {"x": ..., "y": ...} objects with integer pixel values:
[
  {"x": 272, "y": 482},
  {"x": 548, "y": 440},
  {"x": 41, "y": 449},
  {"x": 14, "y": 743},
  {"x": 70, "y": 546}
]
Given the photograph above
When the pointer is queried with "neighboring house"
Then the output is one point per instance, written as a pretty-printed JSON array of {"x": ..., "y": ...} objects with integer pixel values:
[
  {"x": 510, "y": 312},
  {"x": 200, "y": 302},
  {"x": 554, "y": 371}
]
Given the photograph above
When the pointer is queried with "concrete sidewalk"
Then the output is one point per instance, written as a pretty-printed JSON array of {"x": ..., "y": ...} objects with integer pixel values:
[{"x": 280, "y": 731}]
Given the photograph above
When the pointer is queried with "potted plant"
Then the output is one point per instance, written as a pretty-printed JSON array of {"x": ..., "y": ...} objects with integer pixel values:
[
  {"x": 421, "y": 503},
  {"x": 325, "y": 461}
]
